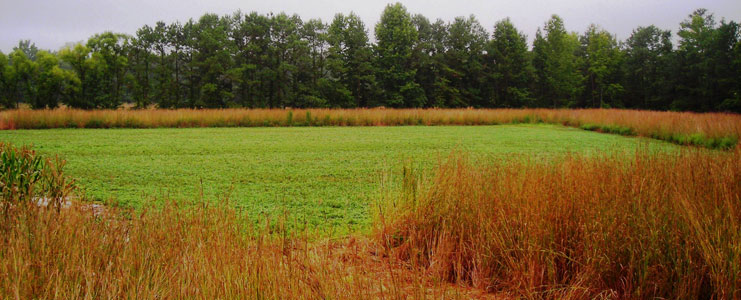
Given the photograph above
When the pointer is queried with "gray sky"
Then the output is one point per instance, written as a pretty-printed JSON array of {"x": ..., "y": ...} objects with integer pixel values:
[{"x": 53, "y": 23}]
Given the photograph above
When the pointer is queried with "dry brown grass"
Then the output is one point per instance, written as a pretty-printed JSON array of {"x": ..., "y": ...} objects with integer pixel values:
[
  {"x": 197, "y": 252},
  {"x": 707, "y": 129},
  {"x": 651, "y": 225}
]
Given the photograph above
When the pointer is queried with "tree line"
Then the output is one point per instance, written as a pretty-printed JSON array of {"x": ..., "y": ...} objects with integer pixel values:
[{"x": 278, "y": 60}]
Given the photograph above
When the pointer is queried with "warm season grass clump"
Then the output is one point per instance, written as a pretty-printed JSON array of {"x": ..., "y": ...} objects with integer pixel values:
[
  {"x": 714, "y": 130},
  {"x": 664, "y": 225},
  {"x": 189, "y": 253}
]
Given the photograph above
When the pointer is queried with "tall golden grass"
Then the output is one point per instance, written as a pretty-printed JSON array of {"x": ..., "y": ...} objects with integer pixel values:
[
  {"x": 664, "y": 225},
  {"x": 186, "y": 253},
  {"x": 715, "y": 130}
]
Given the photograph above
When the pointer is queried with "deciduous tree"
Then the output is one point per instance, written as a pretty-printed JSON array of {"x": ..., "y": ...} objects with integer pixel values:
[{"x": 396, "y": 37}]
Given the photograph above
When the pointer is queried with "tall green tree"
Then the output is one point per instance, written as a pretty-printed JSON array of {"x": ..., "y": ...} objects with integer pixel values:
[
  {"x": 558, "y": 79},
  {"x": 252, "y": 66},
  {"x": 695, "y": 37},
  {"x": 286, "y": 46},
  {"x": 396, "y": 37},
  {"x": 192, "y": 78},
  {"x": 601, "y": 58},
  {"x": 350, "y": 81},
  {"x": 705, "y": 61},
  {"x": 86, "y": 69},
  {"x": 312, "y": 66},
  {"x": 509, "y": 67},
  {"x": 6, "y": 99},
  {"x": 177, "y": 42},
  {"x": 725, "y": 73},
  {"x": 109, "y": 53},
  {"x": 429, "y": 60},
  {"x": 28, "y": 48},
  {"x": 141, "y": 66},
  {"x": 53, "y": 84},
  {"x": 733, "y": 102},
  {"x": 647, "y": 68},
  {"x": 213, "y": 59},
  {"x": 162, "y": 73},
  {"x": 466, "y": 42},
  {"x": 23, "y": 75}
]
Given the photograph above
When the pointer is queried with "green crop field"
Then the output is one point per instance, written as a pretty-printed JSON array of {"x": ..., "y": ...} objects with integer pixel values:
[{"x": 325, "y": 176}]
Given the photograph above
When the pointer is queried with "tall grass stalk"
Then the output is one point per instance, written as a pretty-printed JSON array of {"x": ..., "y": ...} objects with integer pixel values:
[{"x": 650, "y": 225}]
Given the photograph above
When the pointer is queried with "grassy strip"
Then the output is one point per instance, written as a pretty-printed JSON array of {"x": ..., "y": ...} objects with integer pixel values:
[
  {"x": 712, "y": 130},
  {"x": 656, "y": 226},
  {"x": 614, "y": 129},
  {"x": 697, "y": 139}
]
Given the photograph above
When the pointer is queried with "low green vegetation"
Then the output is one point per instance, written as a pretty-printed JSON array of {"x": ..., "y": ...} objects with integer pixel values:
[
  {"x": 696, "y": 139},
  {"x": 615, "y": 129},
  {"x": 323, "y": 177}
]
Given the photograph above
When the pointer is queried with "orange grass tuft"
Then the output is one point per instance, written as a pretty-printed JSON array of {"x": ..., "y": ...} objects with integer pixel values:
[
  {"x": 715, "y": 130},
  {"x": 653, "y": 225}
]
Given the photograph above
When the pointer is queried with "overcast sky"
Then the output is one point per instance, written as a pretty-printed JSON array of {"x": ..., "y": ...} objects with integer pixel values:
[{"x": 53, "y": 23}]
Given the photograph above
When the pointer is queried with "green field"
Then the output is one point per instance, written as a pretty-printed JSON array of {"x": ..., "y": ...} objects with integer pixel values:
[{"x": 320, "y": 175}]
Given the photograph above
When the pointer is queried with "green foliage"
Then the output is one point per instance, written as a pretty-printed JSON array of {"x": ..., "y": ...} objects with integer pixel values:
[
  {"x": 557, "y": 74},
  {"x": 396, "y": 37},
  {"x": 351, "y": 77},
  {"x": 428, "y": 58},
  {"x": 23, "y": 73},
  {"x": 648, "y": 68},
  {"x": 110, "y": 62},
  {"x": 27, "y": 48},
  {"x": 615, "y": 129},
  {"x": 700, "y": 140},
  {"x": 281, "y": 61},
  {"x": 465, "y": 75},
  {"x": 705, "y": 75},
  {"x": 510, "y": 68},
  {"x": 54, "y": 84},
  {"x": 26, "y": 177},
  {"x": 6, "y": 74},
  {"x": 85, "y": 87},
  {"x": 21, "y": 170},
  {"x": 601, "y": 58}
]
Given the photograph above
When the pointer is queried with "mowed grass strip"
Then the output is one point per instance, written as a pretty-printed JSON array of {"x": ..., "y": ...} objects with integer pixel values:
[{"x": 321, "y": 176}]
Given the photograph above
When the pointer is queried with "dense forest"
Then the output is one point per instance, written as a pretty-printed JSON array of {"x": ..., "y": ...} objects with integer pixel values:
[{"x": 278, "y": 61}]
